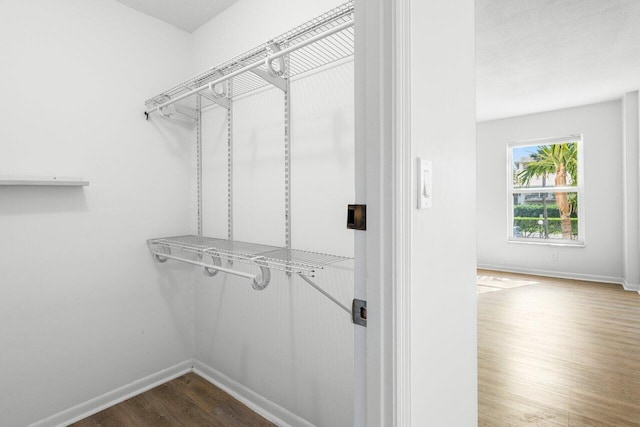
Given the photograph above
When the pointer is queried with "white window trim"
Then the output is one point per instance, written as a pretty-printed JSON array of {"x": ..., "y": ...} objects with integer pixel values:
[{"x": 580, "y": 241}]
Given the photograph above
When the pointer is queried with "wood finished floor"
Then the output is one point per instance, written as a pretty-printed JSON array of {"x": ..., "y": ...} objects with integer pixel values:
[
  {"x": 558, "y": 353},
  {"x": 186, "y": 401},
  {"x": 551, "y": 352}
]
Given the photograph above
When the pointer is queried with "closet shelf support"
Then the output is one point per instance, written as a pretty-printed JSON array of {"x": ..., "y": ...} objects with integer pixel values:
[
  {"x": 273, "y": 76},
  {"x": 326, "y": 294},
  {"x": 276, "y": 81},
  {"x": 223, "y": 101},
  {"x": 186, "y": 113}
]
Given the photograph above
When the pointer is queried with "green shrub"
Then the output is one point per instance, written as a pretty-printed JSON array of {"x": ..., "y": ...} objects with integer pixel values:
[
  {"x": 537, "y": 210},
  {"x": 529, "y": 225}
]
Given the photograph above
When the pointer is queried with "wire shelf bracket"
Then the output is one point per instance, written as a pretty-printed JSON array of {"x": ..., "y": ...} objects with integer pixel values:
[{"x": 272, "y": 75}]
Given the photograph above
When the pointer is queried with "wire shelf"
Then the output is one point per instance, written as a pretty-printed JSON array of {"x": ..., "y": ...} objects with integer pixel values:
[
  {"x": 288, "y": 260},
  {"x": 327, "y": 50}
]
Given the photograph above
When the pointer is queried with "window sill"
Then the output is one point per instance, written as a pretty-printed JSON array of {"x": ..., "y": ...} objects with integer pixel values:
[{"x": 564, "y": 243}]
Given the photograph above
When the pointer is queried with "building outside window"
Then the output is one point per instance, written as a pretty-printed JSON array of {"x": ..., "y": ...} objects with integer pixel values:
[{"x": 546, "y": 191}]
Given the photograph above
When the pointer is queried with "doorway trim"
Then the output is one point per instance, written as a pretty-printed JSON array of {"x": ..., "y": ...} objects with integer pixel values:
[
  {"x": 403, "y": 211},
  {"x": 383, "y": 182}
]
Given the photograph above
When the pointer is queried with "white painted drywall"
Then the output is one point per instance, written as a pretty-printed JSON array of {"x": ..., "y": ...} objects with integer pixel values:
[
  {"x": 249, "y": 23},
  {"x": 601, "y": 258},
  {"x": 83, "y": 309},
  {"x": 287, "y": 343},
  {"x": 443, "y": 289},
  {"x": 631, "y": 191}
]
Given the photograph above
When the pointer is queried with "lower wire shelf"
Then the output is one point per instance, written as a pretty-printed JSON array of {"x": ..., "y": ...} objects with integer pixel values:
[{"x": 291, "y": 261}]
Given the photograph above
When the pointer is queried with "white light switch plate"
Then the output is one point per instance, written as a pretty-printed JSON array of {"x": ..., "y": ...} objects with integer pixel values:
[{"x": 425, "y": 184}]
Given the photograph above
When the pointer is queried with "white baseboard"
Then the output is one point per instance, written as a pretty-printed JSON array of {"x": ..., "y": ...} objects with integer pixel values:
[
  {"x": 263, "y": 406},
  {"x": 114, "y": 397},
  {"x": 635, "y": 287},
  {"x": 557, "y": 274}
]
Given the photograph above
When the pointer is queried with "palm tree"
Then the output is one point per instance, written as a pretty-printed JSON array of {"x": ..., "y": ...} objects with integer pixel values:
[{"x": 561, "y": 160}]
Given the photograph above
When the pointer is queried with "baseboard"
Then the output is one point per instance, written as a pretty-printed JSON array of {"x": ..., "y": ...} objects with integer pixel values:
[
  {"x": 635, "y": 287},
  {"x": 261, "y": 405},
  {"x": 556, "y": 274},
  {"x": 114, "y": 397}
]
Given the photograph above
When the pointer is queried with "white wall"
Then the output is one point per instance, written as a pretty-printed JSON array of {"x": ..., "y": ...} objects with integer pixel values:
[
  {"x": 83, "y": 309},
  {"x": 601, "y": 258},
  {"x": 443, "y": 290},
  {"x": 286, "y": 344},
  {"x": 249, "y": 23}
]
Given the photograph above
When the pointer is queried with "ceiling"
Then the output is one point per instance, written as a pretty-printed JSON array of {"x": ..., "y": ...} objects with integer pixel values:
[
  {"x": 531, "y": 55},
  {"x": 187, "y": 15},
  {"x": 541, "y": 55}
]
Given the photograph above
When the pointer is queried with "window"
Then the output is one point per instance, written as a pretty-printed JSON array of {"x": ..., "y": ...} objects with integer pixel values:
[{"x": 546, "y": 191}]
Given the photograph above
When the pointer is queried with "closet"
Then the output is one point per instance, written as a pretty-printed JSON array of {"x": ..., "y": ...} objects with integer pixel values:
[
  {"x": 273, "y": 233},
  {"x": 318, "y": 43}
]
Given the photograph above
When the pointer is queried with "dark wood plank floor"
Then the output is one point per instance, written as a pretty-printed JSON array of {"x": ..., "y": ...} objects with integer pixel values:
[
  {"x": 186, "y": 401},
  {"x": 558, "y": 353}
]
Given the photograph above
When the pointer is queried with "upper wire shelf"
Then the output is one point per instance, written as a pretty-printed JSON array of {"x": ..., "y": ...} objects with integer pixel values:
[{"x": 316, "y": 43}]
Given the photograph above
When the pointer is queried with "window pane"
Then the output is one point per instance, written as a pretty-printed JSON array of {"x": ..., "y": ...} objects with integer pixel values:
[
  {"x": 543, "y": 166},
  {"x": 545, "y": 216}
]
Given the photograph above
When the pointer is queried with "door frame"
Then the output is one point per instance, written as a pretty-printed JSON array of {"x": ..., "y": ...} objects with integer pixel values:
[{"x": 384, "y": 182}]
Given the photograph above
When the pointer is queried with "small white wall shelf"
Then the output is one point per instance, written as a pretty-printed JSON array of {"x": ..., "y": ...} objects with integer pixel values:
[{"x": 42, "y": 181}]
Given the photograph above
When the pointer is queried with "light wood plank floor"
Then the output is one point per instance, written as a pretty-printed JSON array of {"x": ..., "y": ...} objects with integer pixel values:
[
  {"x": 186, "y": 401},
  {"x": 558, "y": 353}
]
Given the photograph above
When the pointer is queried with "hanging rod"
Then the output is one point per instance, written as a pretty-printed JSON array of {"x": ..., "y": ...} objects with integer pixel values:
[
  {"x": 270, "y": 58},
  {"x": 257, "y": 282}
]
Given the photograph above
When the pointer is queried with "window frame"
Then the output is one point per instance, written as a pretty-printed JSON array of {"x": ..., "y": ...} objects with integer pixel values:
[{"x": 578, "y": 189}]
